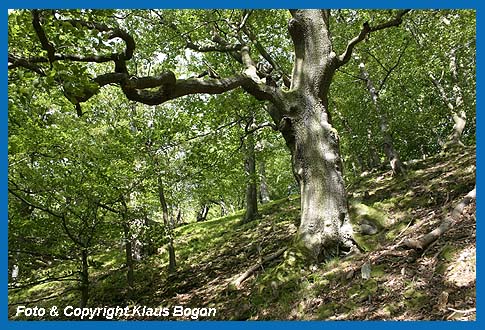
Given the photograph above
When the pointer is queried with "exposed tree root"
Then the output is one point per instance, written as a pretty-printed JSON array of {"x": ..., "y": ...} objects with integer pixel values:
[
  {"x": 240, "y": 279},
  {"x": 423, "y": 242}
]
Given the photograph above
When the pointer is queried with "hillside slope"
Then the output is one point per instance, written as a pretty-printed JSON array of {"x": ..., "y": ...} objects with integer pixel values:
[{"x": 387, "y": 281}]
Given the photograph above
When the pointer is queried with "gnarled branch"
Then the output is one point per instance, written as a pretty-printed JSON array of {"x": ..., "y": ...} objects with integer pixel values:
[
  {"x": 366, "y": 29},
  {"x": 46, "y": 45},
  {"x": 151, "y": 90},
  {"x": 266, "y": 55},
  {"x": 21, "y": 62},
  {"x": 113, "y": 33},
  {"x": 171, "y": 88}
]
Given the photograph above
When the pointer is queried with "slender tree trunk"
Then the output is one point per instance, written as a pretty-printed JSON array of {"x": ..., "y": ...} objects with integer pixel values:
[
  {"x": 459, "y": 115},
  {"x": 454, "y": 102},
  {"x": 84, "y": 277},
  {"x": 15, "y": 272},
  {"x": 223, "y": 208},
  {"x": 263, "y": 186},
  {"x": 172, "y": 264},
  {"x": 171, "y": 252},
  {"x": 391, "y": 153},
  {"x": 179, "y": 217},
  {"x": 15, "y": 268},
  {"x": 251, "y": 186},
  {"x": 459, "y": 119},
  {"x": 203, "y": 212},
  {"x": 373, "y": 160},
  {"x": 128, "y": 256},
  {"x": 128, "y": 240}
]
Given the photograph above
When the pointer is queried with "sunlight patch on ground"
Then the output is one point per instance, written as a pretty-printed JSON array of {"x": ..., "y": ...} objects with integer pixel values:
[{"x": 462, "y": 270}]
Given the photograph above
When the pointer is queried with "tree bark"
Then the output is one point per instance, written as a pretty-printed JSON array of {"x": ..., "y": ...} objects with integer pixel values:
[
  {"x": 172, "y": 264},
  {"x": 223, "y": 206},
  {"x": 459, "y": 115},
  {"x": 251, "y": 185},
  {"x": 325, "y": 225},
  {"x": 263, "y": 186},
  {"x": 128, "y": 240},
  {"x": 303, "y": 118},
  {"x": 128, "y": 256},
  {"x": 202, "y": 214},
  {"x": 179, "y": 217},
  {"x": 84, "y": 277},
  {"x": 314, "y": 144},
  {"x": 171, "y": 254},
  {"x": 391, "y": 153},
  {"x": 454, "y": 102}
]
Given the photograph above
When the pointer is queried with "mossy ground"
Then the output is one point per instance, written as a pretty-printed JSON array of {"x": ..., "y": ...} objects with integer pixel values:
[{"x": 436, "y": 284}]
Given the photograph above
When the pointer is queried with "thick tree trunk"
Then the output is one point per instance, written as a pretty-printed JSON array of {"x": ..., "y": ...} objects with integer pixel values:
[
  {"x": 263, "y": 186},
  {"x": 172, "y": 264},
  {"x": 325, "y": 226},
  {"x": 251, "y": 185},
  {"x": 391, "y": 153},
  {"x": 84, "y": 277},
  {"x": 304, "y": 120}
]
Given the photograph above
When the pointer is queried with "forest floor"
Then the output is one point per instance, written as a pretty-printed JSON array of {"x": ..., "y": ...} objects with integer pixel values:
[{"x": 438, "y": 283}]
